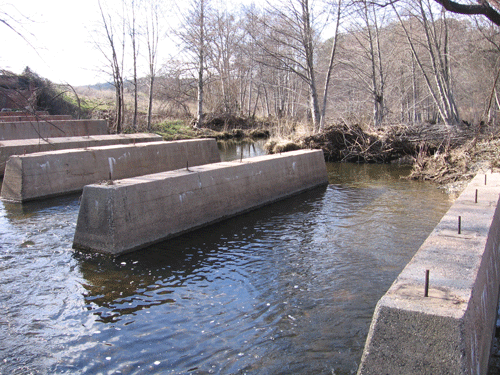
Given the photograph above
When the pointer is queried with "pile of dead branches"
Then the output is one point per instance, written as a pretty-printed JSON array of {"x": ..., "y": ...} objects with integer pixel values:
[
  {"x": 229, "y": 122},
  {"x": 351, "y": 143},
  {"x": 455, "y": 164}
]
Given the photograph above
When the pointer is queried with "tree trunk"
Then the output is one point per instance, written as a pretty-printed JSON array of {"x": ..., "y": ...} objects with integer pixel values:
[
  {"x": 330, "y": 69},
  {"x": 201, "y": 65}
]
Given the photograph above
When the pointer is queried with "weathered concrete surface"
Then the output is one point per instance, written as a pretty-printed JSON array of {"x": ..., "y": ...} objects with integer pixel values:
[
  {"x": 29, "y": 146},
  {"x": 18, "y": 118},
  {"x": 50, "y": 129},
  {"x": 46, "y": 174},
  {"x": 134, "y": 213},
  {"x": 450, "y": 331},
  {"x": 19, "y": 113}
]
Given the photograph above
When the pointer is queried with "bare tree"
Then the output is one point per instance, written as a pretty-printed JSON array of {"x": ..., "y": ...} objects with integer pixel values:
[
  {"x": 152, "y": 37},
  {"x": 289, "y": 43},
  {"x": 330, "y": 66},
  {"x": 226, "y": 40},
  {"x": 135, "y": 53},
  {"x": 193, "y": 36},
  {"x": 115, "y": 46},
  {"x": 437, "y": 74}
]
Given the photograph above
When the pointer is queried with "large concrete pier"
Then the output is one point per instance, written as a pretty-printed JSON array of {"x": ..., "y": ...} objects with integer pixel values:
[
  {"x": 133, "y": 213},
  {"x": 449, "y": 331},
  {"x": 29, "y": 146},
  {"x": 50, "y": 129},
  {"x": 47, "y": 174}
]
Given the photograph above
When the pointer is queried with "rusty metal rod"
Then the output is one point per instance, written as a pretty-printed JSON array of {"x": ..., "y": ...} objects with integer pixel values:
[{"x": 426, "y": 292}]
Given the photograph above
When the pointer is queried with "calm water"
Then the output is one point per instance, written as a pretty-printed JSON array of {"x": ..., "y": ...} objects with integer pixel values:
[{"x": 287, "y": 289}]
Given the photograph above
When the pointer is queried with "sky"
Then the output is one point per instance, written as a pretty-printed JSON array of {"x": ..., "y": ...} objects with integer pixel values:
[
  {"x": 60, "y": 46},
  {"x": 58, "y": 39}
]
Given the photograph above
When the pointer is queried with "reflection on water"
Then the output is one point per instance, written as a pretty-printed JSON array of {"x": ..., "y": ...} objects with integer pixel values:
[
  {"x": 234, "y": 150},
  {"x": 289, "y": 288}
]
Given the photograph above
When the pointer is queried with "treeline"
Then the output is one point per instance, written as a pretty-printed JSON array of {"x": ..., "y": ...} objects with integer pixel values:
[{"x": 309, "y": 61}]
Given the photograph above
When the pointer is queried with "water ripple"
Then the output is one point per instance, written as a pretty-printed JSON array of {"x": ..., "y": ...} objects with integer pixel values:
[{"x": 289, "y": 288}]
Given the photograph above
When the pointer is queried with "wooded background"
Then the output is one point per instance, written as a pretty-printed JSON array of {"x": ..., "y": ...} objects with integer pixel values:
[{"x": 315, "y": 61}]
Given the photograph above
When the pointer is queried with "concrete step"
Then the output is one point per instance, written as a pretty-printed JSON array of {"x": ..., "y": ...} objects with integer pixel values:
[
  {"x": 46, "y": 174},
  {"x": 133, "y": 213},
  {"x": 57, "y": 128},
  {"x": 29, "y": 146}
]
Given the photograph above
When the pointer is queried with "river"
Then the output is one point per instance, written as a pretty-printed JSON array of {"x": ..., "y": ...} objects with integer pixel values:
[{"x": 286, "y": 289}]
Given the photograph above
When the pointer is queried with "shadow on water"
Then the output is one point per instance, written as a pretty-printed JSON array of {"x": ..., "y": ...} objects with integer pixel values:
[
  {"x": 177, "y": 261},
  {"x": 15, "y": 210}
]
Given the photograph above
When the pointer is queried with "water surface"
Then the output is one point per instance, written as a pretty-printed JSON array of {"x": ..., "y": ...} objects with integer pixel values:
[{"x": 289, "y": 288}]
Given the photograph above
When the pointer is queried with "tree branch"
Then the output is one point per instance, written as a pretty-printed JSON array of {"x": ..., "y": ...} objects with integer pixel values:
[{"x": 484, "y": 8}]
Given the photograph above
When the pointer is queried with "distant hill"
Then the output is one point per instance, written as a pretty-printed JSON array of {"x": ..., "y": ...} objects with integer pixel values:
[{"x": 101, "y": 86}]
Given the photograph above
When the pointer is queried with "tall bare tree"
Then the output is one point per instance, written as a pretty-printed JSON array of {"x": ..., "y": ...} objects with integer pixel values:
[
  {"x": 152, "y": 38},
  {"x": 135, "y": 52},
  {"x": 435, "y": 42},
  {"x": 329, "y": 70},
  {"x": 114, "y": 52},
  {"x": 289, "y": 43},
  {"x": 193, "y": 35}
]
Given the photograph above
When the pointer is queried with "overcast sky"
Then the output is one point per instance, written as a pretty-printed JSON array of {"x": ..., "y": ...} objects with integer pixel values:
[
  {"x": 59, "y": 33},
  {"x": 58, "y": 38}
]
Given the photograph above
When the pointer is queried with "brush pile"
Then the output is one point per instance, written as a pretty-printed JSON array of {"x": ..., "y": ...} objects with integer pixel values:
[
  {"x": 443, "y": 154},
  {"x": 351, "y": 143},
  {"x": 354, "y": 143},
  {"x": 455, "y": 164}
]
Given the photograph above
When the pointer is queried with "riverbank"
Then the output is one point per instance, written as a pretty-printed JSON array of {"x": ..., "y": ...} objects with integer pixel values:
[
  {"x": 447, "y": 156},
  {"x": 219, "y": 127},
  {"x": 454, "y": 167}
]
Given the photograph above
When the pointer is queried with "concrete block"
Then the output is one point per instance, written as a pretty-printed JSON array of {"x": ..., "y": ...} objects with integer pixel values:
[
  {"x": 133, "y": 213},
  {"x": 46, "y": 174},
  {"x": 50, "y": 129},
  {"x": 18, "y": 118},
  {"x": 451, "y": 330},
  {"x": 20, "y": 113},
  {"x": 29, "y": 146}
]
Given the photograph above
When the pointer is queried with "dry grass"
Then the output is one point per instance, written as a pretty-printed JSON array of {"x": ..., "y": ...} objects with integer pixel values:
[{"x": 458, "y": 164}]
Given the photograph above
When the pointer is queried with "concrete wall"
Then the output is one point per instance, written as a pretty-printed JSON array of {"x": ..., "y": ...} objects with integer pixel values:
[
  {"x": 18, "y": 118},
  {"x": 47, "y": 174},
  {"x": 450, "y": 331},
  {"x": 57, "y": 128},
  {"x": 134, "y": 213},
  {"x": 29, "y": 146},
  {"x": 20, "y": 113}
]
